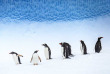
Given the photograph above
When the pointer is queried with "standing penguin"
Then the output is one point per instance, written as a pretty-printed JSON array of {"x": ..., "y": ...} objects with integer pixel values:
[
  {"x": 98, "y": 46},
  {"x": 83, "y": 47},
  {"x": 16, "y": 57},
  {"x": 69, "y": 48},
  {"x": 64, "y": 50},
  {"x": 47, "y": 52},
  {"x": 35, "y": 58}
]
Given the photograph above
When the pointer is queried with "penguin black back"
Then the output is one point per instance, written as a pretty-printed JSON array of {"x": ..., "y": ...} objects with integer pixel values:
[
  {"x": 46, "y": 46},
  {"x": 69, "y": 48},
  {"x": 98, "y": 46},
  {"x": 13, "y": 53},
  {"x": 84, "y": 47},
  {"x": 65, "y": 49}
]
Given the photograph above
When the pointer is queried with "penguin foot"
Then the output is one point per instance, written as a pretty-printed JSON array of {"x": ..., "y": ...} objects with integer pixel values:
[
  {"x": 50, "y": 58},
  {"x": 68, "y": 58},
  {"x": 35, "y": 64},
  {"x": 85, "y": 53},
  {"x": 97, "y": 52}
]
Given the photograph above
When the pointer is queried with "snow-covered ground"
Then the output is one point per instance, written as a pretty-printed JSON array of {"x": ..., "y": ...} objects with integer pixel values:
[
  {"x": 92, "y": 63},
  {"x": 26, "y": 37}
]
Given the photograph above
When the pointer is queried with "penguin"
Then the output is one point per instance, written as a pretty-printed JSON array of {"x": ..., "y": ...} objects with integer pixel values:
[
  {"x": 47, "y": 52},
  {"x": 16, "y": 57},
  {"x": 98, "y": 46},
  {"x": 35, "y": 58},
  {"x": 64, "y": 50},
  {"x": 83, "y": 47},
  {"x": 69, "y": 48}
]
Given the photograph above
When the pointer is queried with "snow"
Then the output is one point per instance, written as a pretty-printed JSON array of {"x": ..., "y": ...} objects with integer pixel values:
[
  {"x": 26, "y": 37},
  {"x": 92, "y": 63}
]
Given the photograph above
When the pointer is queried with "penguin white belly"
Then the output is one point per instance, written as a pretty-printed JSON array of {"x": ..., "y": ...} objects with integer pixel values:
[
  {"x": 46, "y": 52},
  {"x": 15, "y": 57},
  {"x": 82, "y": 50},
  {"x": 35, "y": 58},
  {"x": 62, "y": 50}
]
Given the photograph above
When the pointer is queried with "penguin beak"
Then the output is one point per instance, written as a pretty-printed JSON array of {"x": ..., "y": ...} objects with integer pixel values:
[{"x": 59, "y": 43}]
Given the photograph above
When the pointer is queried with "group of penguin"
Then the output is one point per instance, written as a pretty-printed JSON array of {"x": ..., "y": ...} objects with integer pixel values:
[{"x": 65, "y": 50}]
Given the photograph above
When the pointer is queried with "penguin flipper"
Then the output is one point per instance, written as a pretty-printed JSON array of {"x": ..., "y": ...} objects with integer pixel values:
[
  {"x": 39, "y": 58},
  {"x": 19, "y": 60},
  {"x": 31, "y": 59}
]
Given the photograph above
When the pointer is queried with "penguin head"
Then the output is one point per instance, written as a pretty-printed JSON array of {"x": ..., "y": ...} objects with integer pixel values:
[
  {"x": 36, "y": 51},
  {"x": 45, "y": 45},
  {"x": 12, "y": 52},
  {"x": 81, "y": 41},
  {"x": 60, "y": 43},
  {"x": 100, "y": 38}
]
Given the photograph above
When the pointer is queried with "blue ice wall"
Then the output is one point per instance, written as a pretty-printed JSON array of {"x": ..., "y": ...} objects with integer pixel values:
[{"x": 53, "y": 10}]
